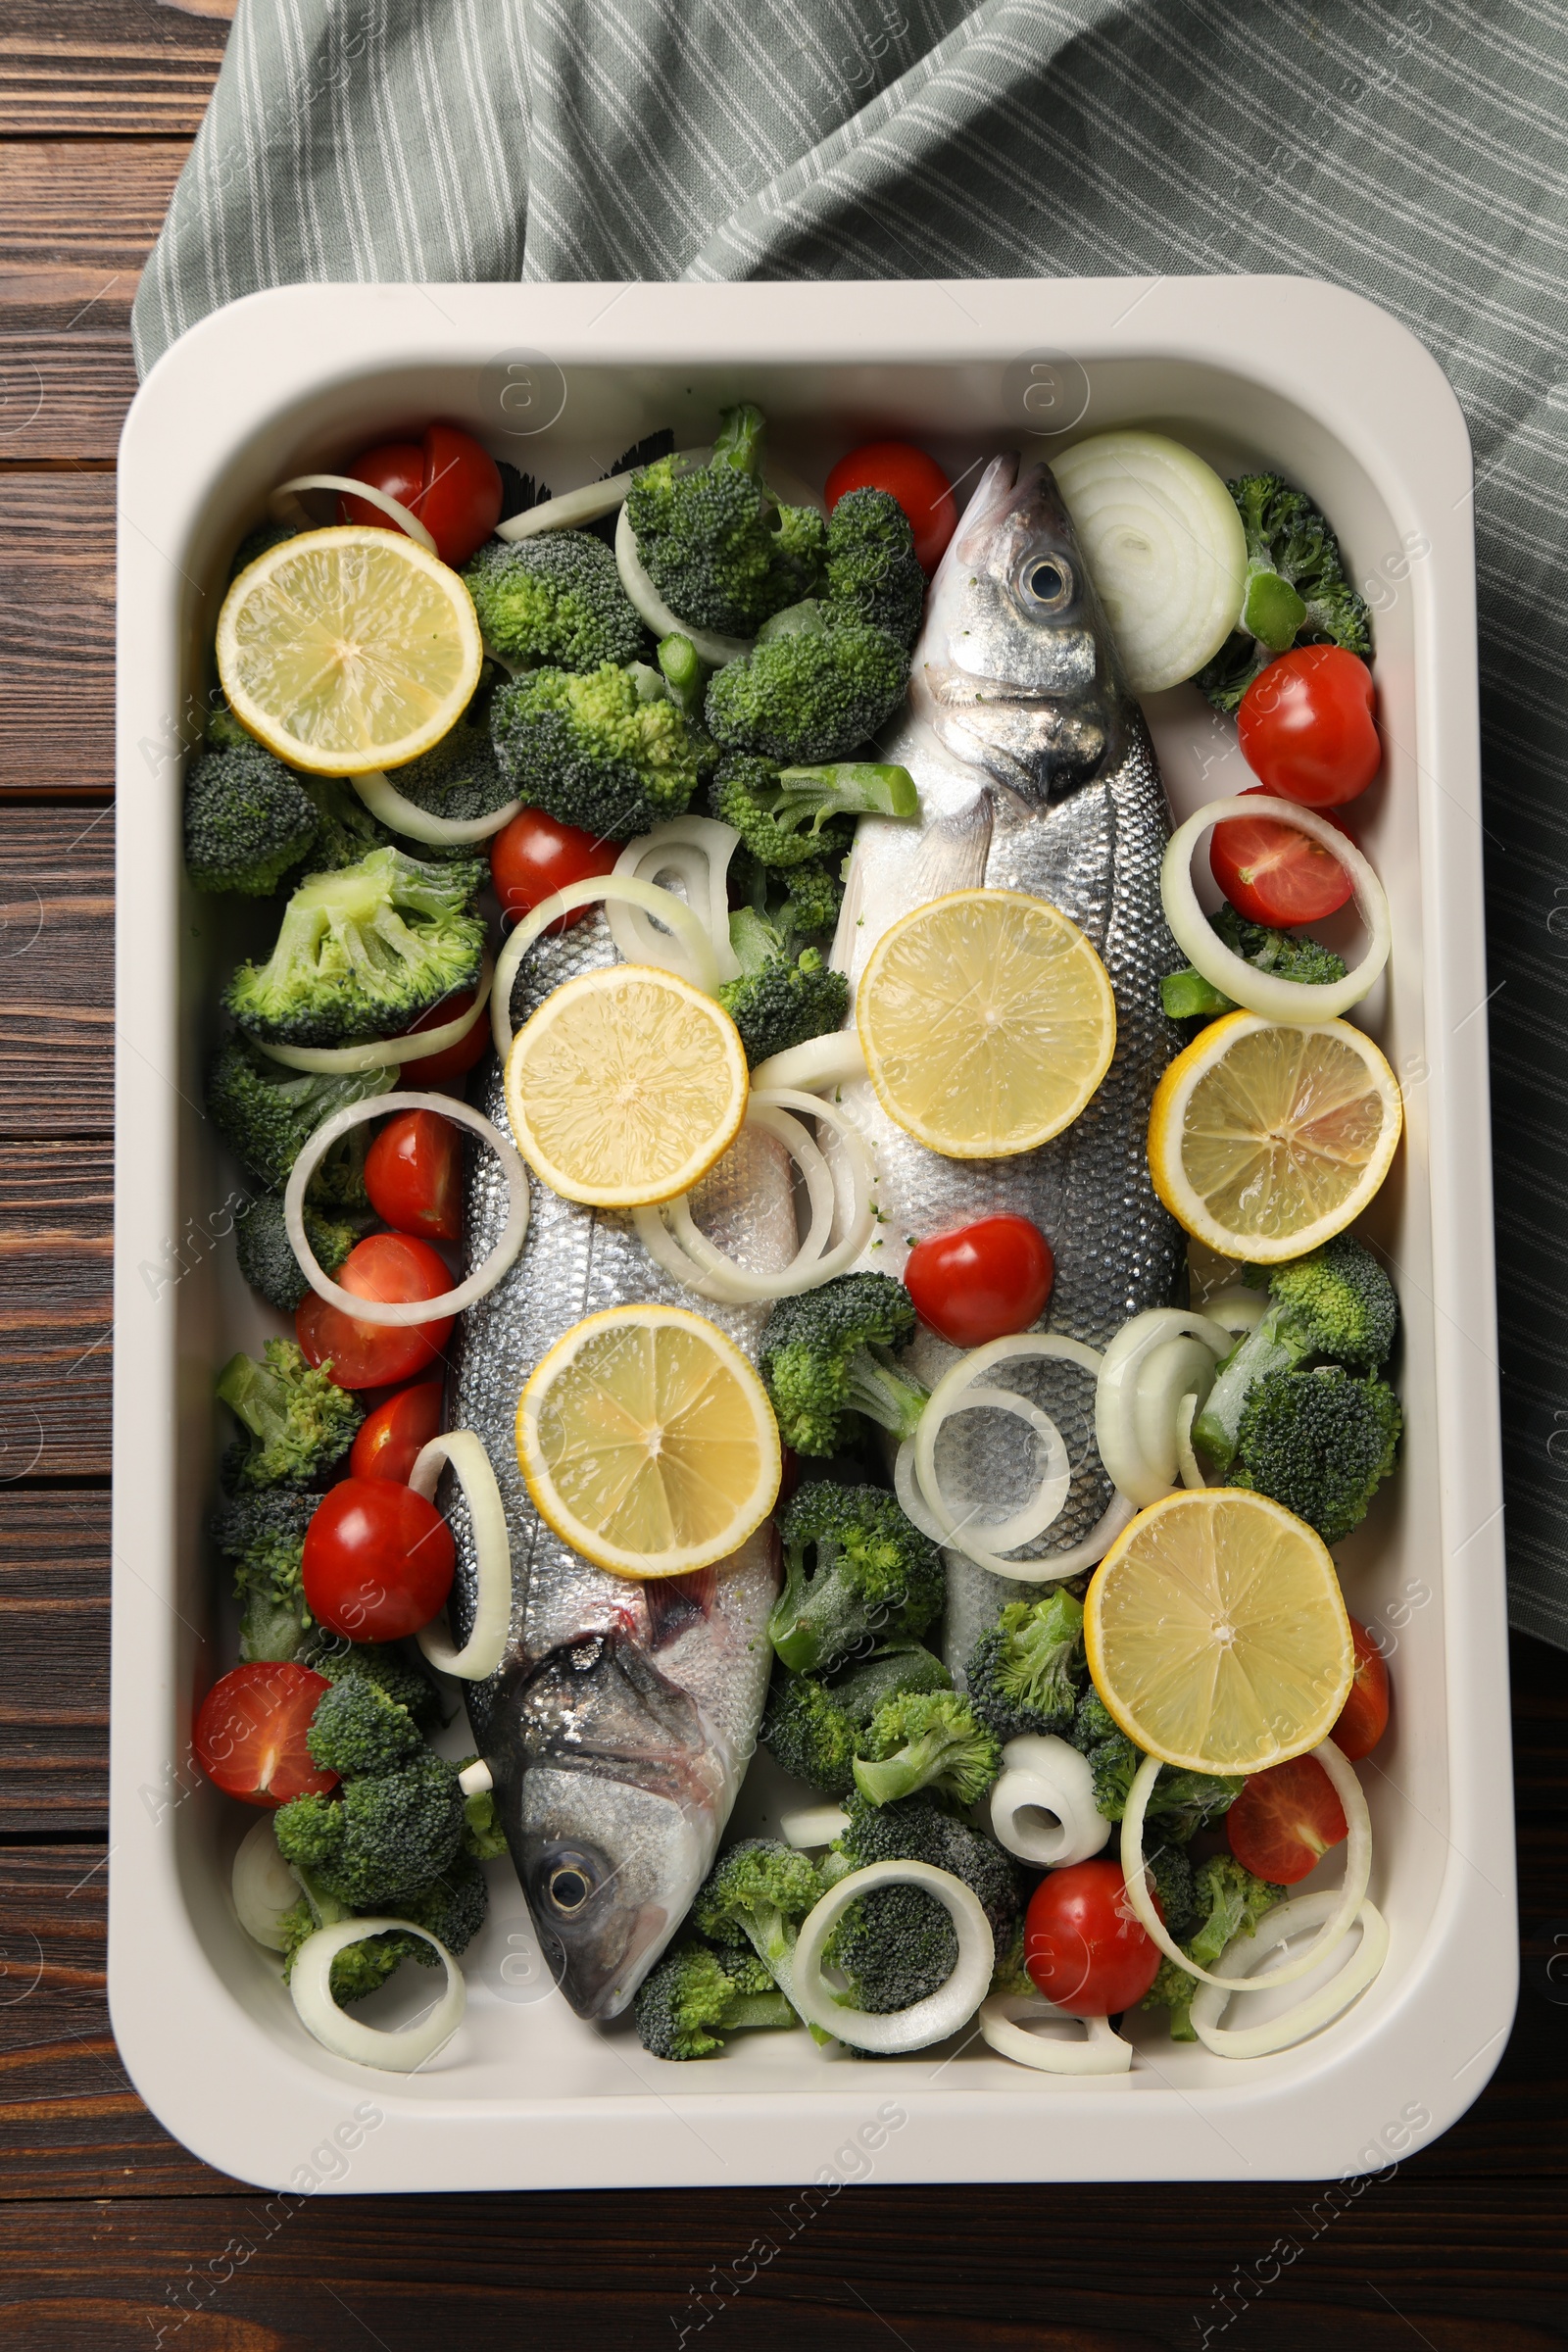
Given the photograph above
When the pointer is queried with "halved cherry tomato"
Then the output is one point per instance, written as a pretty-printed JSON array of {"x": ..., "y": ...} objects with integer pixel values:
[
  {"x": 386, "y": 1266},
  {"x": 435, "y": 1070},
  {"x": 1084, "y": 1945},
  {"x": 983, "y": 1280},
  {"x": 391, "y": 1438},
  {"x": 378, "y": 1560},
  {"x": 1273, "y": 874},
  {"x": 1364, "y": 1717},
  {"x": 1284, "y": 1821},
  {"x": 915, "y": 480},
  {"x": 448, "y": 480},
  {"x": 1306, "y": 726},
  {"x": 414, "y": 1175},
  {"x": 534, "y": 856},
  {"x": 250, "y": 1734}
]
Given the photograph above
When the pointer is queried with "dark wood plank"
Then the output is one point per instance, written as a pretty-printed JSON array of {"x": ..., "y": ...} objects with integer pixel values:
[
  {"x": 53, "y": 1677},
  {"x": 55, "y": 969},
  {"x": 98, "y": 68},
  {"x": 57, "y": 651},
  {"x": 56, "y": 1307}
]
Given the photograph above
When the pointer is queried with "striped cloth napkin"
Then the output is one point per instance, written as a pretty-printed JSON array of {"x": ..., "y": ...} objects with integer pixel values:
[{"x": 1415, "y": 150}]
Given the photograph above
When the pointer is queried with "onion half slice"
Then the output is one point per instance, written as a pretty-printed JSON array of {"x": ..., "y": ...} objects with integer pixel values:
[
  {"x": 701, "y": 971},
  {"x": 483, "y": 1652},
  {"x": 284, "y": 504},
  {"x": 1101, "y": 2052},
  {"x": 821, "y": 1064},
  {"x": 942, "y": 2012},
  {"x": 1165, "y": 545},
  {"x": 1319, "y": 2008},
  {"x": 696, "y": 849},
  {"x": 1123, "y": 1444},
  {"x": 405, "y": 2048},
  {"x": 711, "y": 647},
  {"x": 402, "y": 816},
  {"x": 385, "y": 1053},
  {"x": 264, "y": 1886},
  {"x": 1042, "y": 1807}
]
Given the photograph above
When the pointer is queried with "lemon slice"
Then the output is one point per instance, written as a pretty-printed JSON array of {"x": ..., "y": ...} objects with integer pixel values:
[
  {"x": 625, "y": 1085},
  {"x": 1264, "y": 1140},
  {"x": 1216, "y": 1633},
  {"x": 987, "y": 1021},
  {"x": 348, "y": 649},
  {"x": 647, "y": 1441}
]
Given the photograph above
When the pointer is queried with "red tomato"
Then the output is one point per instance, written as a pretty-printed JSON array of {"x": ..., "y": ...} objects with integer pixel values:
[
  {"x": 414, "y": 1175},
  {"x": 391, "y": 1438},
  {"x": 1285, "y": 1820},
  {"x": 1364, "y": 1717},
  {"x": 448, "y": 480},
  {"x": 915, "y": 480},
  {"x": 1273, "y": 874},
  {"x": 389, "y": 1267},
  {"x": 250, "y": 1734},
  {"x": 1084, "y": 1945},
  {"x": 435, "y": 1069},
  {"x": 983, "y": 1280},
  {"x": 378, "y": 1560},
  {"x": 1306, "y": 726},
  {"x": 534, "y": 855}
]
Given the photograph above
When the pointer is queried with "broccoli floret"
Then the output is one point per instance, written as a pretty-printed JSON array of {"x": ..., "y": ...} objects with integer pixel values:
[
  {"x": 257, "y": 542},
  {"x": 786, "y": 815},
  {"x": 385, "y": 1839},
  {"x": 873, "y": 1572},
  {"x": 900, "y": 1951},
  {"x": 1187, "y": 996},
  {"x": 380, "y": 1663},
  {"x": 827, "y": 1356},
  {"x": 1024, "y": 1675},
  {"x": 359, "y": 1727},
  {"x": 1180, "y": 1803},
  {"x": 482, "y": 1834},
  {"x": 264, "y": 1534},
  {"x": 895, "y": 1946},
  {"x": 813, "y": 1732},
  {"x": 779, "y": 999},
  {"x": 362, "y": 951},
  {"x": 813, "y": 896},
  {"x": 452, "y": 1908},
  {"x": 459, "y": 780},
  {"x": 297, "y": 1420},
  {"x": 266, "y": 1256},
  {"x": 927, "y": 1739},
  {"x": 872, "y": 570},
  {"x": 817, "y": 683},
  {"x": 1091, "y": 1722},
  {"x": 596, "y": 751},
  {"x": 1320, "y": 1443},
  {"x": 1170, "y": 1875},
  {"x": 695, "y": 1997},
  {"x": 267, "y": 1114},
  {"x": 345, "y": 830},
  {"x": 1336, "y": 1305},
  {"x": 1297, "y": 591},
  {"x": 721, "y": 552},
  {"x": 1227, "y": 1900},
  {"x": 247, "y": 820},
  {"x": 759, "y": 1894},
  {"x": 555, "y": 600}
]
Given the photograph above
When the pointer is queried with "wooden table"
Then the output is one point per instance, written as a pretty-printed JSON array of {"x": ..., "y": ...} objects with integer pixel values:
[{"x": 112, "y": 2235}]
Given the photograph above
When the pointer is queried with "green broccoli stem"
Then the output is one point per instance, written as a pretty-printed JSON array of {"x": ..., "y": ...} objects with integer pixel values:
[
  {"x": 750, "y": 2012},
  {"x": 874, "y": 787},
  {"x": 1271, "y": 609},
  {"x": 255, "y": 1397},
  {"x": 324, "y": 1905},
  {"x": 684, "y": 673},
  {"x": 1271, "y": 1347},
  {"x": 1188, "y": 997},
  {"x": 884, "y": 1396},
  {"x": 913, "y": 1769},
  {"x": 738, "y": 439},
  {"x": 773, "y": 1940}
]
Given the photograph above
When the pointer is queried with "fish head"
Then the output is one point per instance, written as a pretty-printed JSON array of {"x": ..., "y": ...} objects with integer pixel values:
[
  {"x": 1016, "y": 671},
  {"x": 610, "y": 1785}
]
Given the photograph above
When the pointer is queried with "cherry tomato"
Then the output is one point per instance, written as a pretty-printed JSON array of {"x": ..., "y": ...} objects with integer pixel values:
[
  {"x": 386, "y": 1266},
  {"x": 414, "y": 1175},
  {"x": 915, "y": 480},
  {"x": 983, "y": 1280},
  {"x": 1084, "y": 1945},
  {"x": 1364, "y": 1717},
  {"x": 1273, "y": 874},
  {"x": 250, "y": 1734},
  {"x": 1306, "y": 726},
  {"x": 446, "y": 479},
  {"x": 435, "y": 1069},
  {"x": 1285, "y": 1820},
  {"x": 534, "y": 855},
  {"x": 390, "y": 1439},
  {"x": 378, "y": 1560}
]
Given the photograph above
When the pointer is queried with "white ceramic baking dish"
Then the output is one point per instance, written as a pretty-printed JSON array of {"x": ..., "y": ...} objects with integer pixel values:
[{"x": 560, "y": 380}]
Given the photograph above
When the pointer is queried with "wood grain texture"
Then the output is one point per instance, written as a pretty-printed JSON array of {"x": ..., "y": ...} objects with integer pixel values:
[
  {"x": 56, "y": 1307},
  {"x": 57, "y": 634},
  {"x": 54, "y": 1678},
  {"x": 56, "y": 967},
  {"x": 103, "y": 67}
]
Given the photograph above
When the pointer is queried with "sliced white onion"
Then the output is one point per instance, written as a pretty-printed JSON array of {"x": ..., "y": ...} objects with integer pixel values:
[
  {"x": 701, "y": 971},
  {"x": 264, "y": 1888},
  {"x": 1187, "y": 1461},
  {"x": 1165, "y": 548},
  {"x": 711, "y": 647},
  {"x": 1043, "y": 1776},
  {"x": 1283, "y": 2033},
  {"x": 1237, "y": 1308},
  {"x": 912, "y": 1503},
  {"x": 1101, "y": 2052},
  {"x": 386, "y": 1052},
  {"x": 1297, "y": 1002},
  {"x": 696, "y": 849},
  {"x": 408, "y": 1314},
  {"x": 836, "y": 1060},
  {"x": 476, "y": 1778},
  {"x": 483, "y": 1652},
  {"x": 1175, "y": 1370},
  {"x": 286, "y": 507},
  {"x": 402, "y": 816},
  {"x": 814, "y": 1826},
  {"x": 1128, "y": 1462},
  {"x": 1045, "y": 1506},
  {"x": 403, "y": 2049},
  {"x": 942, "y": 2012},
  {"x": 978, "y": 1543},
  {"x": 1346, "y": 1905}
]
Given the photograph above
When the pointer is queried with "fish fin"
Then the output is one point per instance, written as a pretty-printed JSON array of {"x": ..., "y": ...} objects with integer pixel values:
[{"x": 676, "y": 1602}]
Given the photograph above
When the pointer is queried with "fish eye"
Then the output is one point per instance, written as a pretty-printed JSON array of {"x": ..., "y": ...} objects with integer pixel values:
[
  {"x": 1047, "y": 582},
  {"x": 569, "y": 1888}
]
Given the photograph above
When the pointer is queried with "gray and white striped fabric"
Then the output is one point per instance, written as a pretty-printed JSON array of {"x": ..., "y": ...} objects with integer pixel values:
[{"x": 1416, "y": 150}]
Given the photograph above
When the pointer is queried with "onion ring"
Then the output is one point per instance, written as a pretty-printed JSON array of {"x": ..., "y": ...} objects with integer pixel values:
[
  {"x": 1186, "y": 1460},
  {"x": 1295, "y": 1002},
  {"x": 403, "y": 2050},
  {"x": 942, "y": 2012},
  {"x": 284, "y": 504},
  {"x": 1320, "y": 2007},
  {"x": 703, "y": 972},
  {"x": 1042, "y": 1774},
  {"x": 1101, "y": 2052},
  {"x": 263, "y": 1887},
  {"x": 944, "y": 1400},
  {"x": 812, "y": 1826},
  {"x": 1116, "y": 1433},
  {"x": 711, "y": 647},
  {"x": 1237, "y": 1308},
  {"x": 836, "y": 1060},
  {"x": 486, "y": 1645},
  {"x": 407, "y": 1314},
  {"x": 699, "y": 850},
  {"x": 385, "y": 1053},
  {"x": 402, "y": 816}
]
